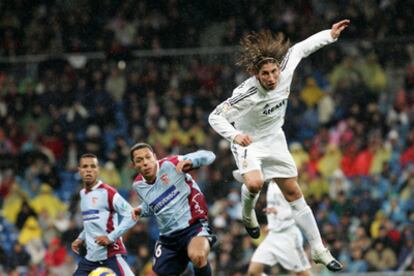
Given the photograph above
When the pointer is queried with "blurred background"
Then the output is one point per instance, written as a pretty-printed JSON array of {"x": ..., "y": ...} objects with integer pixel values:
[{"x": 99, "y": 76}]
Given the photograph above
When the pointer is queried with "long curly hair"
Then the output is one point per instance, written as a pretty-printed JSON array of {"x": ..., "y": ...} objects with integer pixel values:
[{"x": 261, "y": 48}]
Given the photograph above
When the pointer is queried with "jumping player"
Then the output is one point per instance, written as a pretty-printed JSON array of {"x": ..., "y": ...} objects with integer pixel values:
[{"x": 252, "y": 121}]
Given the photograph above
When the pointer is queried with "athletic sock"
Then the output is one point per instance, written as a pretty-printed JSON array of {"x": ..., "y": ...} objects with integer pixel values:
[
  {"x": 249, "y": 200},
  {"x": 203, "y": 271},
  {"x": 305, "y": 219}
]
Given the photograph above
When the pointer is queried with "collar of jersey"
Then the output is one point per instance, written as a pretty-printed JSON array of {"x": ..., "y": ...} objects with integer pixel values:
[
  {"x": 96, "y": 185},
  {"x": 260, "y": 88}
]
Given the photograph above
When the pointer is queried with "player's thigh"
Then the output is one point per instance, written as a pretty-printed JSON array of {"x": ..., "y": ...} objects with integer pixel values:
[
  {"x": 289, "y": 187},
  {"x": 255, "y": 269},
  {"x": 247, "y": 158},
  {"x": 198, "y": 250},
  {"x": 277, "y": 161},
  {"x": 169, "y": 260}
]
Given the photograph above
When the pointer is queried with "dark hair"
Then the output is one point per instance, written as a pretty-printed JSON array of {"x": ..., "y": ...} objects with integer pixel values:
[
  {"x": 138, "y": 146},
  {"x": 88, "y": 155},
  {"x": 261, "y": 48}
]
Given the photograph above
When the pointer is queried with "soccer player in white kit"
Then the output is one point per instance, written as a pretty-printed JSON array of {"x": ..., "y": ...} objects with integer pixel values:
[
  {"x": 252, "y": 121},
  {"x": 100, "y": 205},
  {"x": 284, "y": 242}
]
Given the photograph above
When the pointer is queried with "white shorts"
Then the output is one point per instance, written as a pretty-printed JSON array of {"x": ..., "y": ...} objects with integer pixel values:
[
  {"x": 285, "y": 248},
  {"x": 270, "y": 155}
]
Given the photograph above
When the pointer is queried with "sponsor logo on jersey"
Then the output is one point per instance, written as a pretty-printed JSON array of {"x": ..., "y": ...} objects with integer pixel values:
[
  {"x": 166, "y": 197},
  {"x": 90, "y": 215},
  {"x": 269, "y": 110}
]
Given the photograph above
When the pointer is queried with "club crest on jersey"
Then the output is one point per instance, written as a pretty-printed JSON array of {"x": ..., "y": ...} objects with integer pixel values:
[
  {"x": 164, "y": 179},
  {"x": 223, "y": 108},
  {"x": 94, "y": 200}
]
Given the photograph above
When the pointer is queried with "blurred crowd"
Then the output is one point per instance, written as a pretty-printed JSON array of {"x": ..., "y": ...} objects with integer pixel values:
[
  {"x": 45, "y": 26},
  {"x": 349, "y": 123}
]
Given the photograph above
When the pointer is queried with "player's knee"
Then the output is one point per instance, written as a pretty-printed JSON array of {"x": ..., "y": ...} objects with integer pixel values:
[
  {"x": 253, "y": 271},
  {"x": 199, "y": 259},
  {"x": 292, "y": 192},
  {"x": 254, "y": 185},
  {"x": 292, "y": 195}
]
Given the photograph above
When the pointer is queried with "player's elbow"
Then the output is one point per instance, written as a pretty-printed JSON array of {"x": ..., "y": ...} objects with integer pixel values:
[
  {"x": 211, "y": 156},
  {"x": 212, "y": 119}
]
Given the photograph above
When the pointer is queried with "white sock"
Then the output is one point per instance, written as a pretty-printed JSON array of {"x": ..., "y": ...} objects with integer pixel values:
[
  {"x": 305, "y": 219},
  {"x": 249, "y": 200}
]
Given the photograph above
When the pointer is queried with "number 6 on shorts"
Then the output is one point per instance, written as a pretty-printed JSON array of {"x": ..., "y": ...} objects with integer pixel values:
[{"x": 158, "y": 250}]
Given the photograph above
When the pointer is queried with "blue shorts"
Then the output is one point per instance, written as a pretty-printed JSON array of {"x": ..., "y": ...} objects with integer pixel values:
[
  {"x": 117, "y": 263},
  {"x": 170, "y": 254}
]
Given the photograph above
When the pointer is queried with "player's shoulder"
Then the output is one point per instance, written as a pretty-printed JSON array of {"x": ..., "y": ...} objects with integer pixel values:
[
  {"x": 108, "y": 188},
  {"x": 173, "y": 159},
  {"x": 244, "y": 92},
  {"x": 138, "y": 180},
  {"x": 245, "y": 87},
  {"x": 286, "y": 58}
]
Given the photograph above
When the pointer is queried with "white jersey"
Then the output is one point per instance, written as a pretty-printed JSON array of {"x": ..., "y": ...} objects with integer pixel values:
[
  {"x": 282, "y": 219},
  {"x": 257, "y": 112}
]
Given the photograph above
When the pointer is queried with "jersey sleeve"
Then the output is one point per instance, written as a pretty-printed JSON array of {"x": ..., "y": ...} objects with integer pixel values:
[
  {"x": 229, "y": 111},
  {"x": 305, "y": 48},
  {"x": 145, "y": 210},
  {"x": 82, "y": 235},
  {"x": 314, "y": 43},
  {"x": 124, "y": 209},
  {"x": 200, "y": 158}
]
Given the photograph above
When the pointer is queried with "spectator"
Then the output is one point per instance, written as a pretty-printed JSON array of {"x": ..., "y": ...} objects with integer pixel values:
[
  {"x": 381, "y": 258},
  {"x": 25, "y": 212}
]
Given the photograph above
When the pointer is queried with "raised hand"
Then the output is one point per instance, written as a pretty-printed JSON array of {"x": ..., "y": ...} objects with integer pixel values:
[
  {"x": 338, "y": 27},
  {"x": 184, "y": 166}
]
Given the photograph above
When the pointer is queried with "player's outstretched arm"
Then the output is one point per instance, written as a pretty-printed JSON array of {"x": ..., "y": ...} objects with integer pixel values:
[
  {"x": 124, "y": 209},
  {"x": 317, "y": 41},
  {"x": 338, "y": 27},
  {"x": 195, "y": 160}
]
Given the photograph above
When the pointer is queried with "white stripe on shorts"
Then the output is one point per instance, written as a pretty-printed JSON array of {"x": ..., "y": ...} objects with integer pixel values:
[{"x": 123, "y": 265}]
